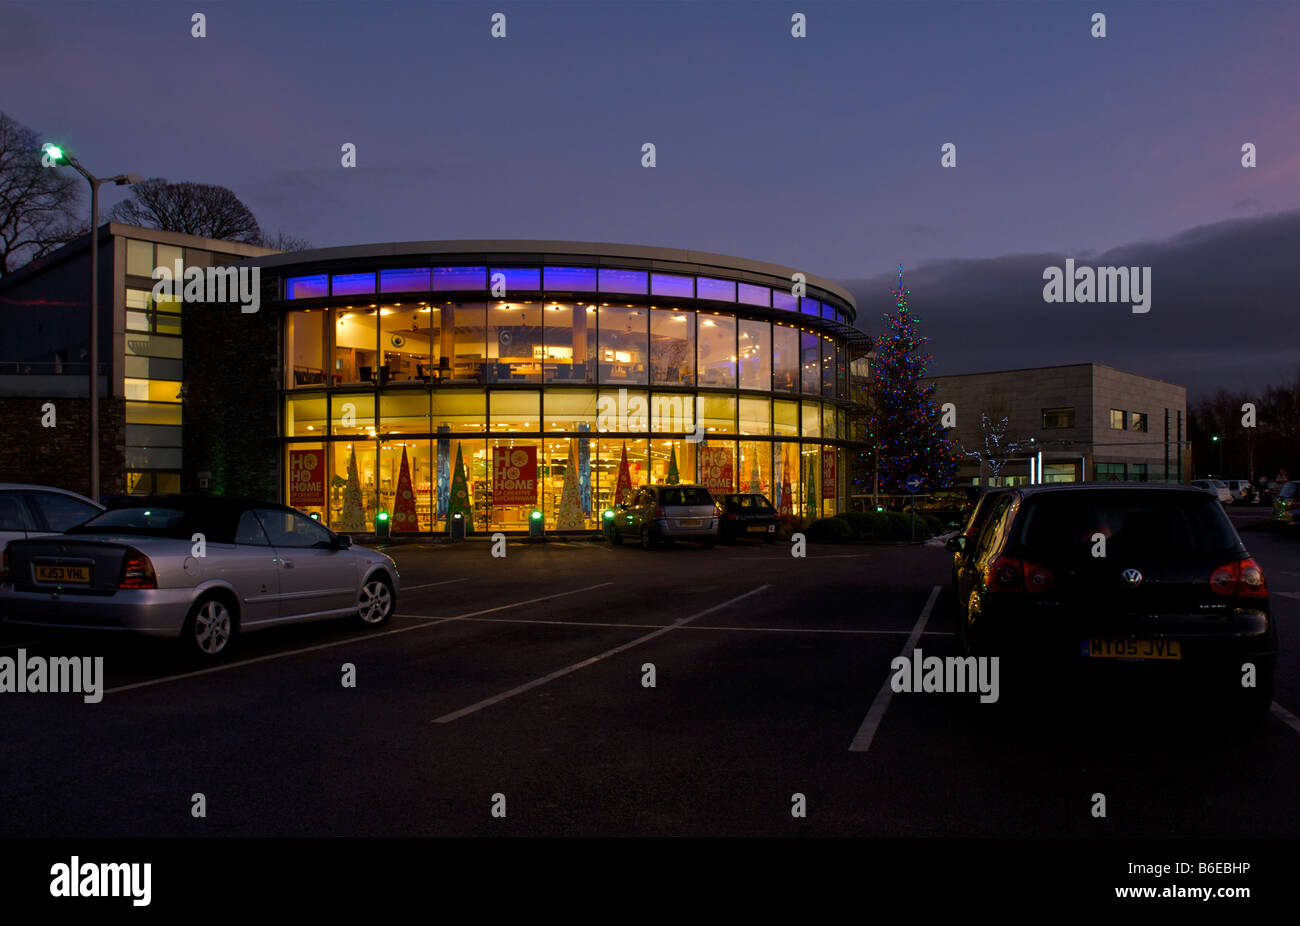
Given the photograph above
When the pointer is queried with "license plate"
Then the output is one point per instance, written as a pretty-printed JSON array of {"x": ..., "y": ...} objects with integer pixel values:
[
  {"x": 1132, "y": 649},
  {"x": 760, "y": 529},
  {"x": 691, "y": 522},
  {"x": 63, "y": 574}
]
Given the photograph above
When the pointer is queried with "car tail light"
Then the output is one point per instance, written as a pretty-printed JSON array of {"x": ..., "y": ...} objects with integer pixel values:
[
  {"x": 1009, "y": 575},
  {"x": 137, "y": 571},
  {"x": 659, "y": 512},
  {"x": 1243, "y": 578},
  {"x": 732, "y": 516},
  {"x": 6, "y": 573}
]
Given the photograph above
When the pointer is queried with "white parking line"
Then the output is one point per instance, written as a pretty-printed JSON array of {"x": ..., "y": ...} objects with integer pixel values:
[
  {"x": 867, "y": 732},
  {"x": 428, "y": 622},
  {"x": 18, "y": 645},
  {"x": 1284, "y": 715},
  {"x": 719, "y": 627},
  {"x": 538, "y": 682},
  {"x": 411, "y": 588},
  {"x": 1288, "y": 594},
  {"x": 248, "y": 662}
]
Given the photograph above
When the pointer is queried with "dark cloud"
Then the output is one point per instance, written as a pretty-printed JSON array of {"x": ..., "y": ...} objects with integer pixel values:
[{"x": 1225, "y": 309}]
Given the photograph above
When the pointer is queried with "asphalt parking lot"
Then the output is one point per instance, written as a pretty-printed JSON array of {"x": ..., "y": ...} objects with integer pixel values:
[{"x": 521, "y": 683}]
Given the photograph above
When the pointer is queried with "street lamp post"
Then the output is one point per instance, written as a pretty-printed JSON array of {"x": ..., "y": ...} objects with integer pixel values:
[{"x": 58, "y": 156}]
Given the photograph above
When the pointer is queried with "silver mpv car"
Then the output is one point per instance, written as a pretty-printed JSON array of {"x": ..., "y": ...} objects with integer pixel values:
[
  {"x": 665, "y": 513},
  {"x": 201, "y": 570}
]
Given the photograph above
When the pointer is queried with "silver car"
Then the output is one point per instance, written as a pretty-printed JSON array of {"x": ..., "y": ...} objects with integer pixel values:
[
  {"x": 666, "y": 513},
  {"x": 197, "y": 569},
  {"x": 1216, "y": 487},
  {"x": 38, "y": 511}
]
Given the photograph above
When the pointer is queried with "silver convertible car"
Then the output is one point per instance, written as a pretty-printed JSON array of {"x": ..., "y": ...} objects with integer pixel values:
[{"x": 200, "y": 569}]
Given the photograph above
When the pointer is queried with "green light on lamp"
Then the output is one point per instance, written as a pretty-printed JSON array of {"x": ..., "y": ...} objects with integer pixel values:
[
  {"x": 609, "y": 514},
  {"x": 536, "y": 515},
  {"x": 383, "y": 516}
]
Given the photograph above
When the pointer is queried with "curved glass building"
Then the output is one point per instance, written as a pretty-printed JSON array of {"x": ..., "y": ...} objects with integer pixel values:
[{"x": 504, "y": 381}]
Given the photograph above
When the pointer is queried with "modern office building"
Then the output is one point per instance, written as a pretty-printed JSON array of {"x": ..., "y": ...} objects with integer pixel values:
[
  {"x": 1070, "y": 423},
  {"x": 44, "y": 335},
  {"x": 494, "y": 379}
]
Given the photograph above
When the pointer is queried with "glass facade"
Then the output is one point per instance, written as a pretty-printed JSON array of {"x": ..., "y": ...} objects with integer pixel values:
[{"x": 424, "y": 401}]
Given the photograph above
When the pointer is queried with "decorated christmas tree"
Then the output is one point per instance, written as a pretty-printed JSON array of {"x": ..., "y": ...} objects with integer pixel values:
[
  {"x": 785, "y": 503},
  {"x": 570, "y": 514},
  {"x": 623, "y": 485},
  {"x": 904, "y": 424},
  {"x": 673, "y": 476},
  {"x": 354, "y": 513},
  {"x": 404, "y": 503},
  {"x": 459, "y": 503}
]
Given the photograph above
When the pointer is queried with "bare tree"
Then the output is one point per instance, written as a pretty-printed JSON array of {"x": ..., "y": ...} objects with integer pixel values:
[
  {"x": 996, "y": 449},
  {"x": 38, "y": 205},
  {"x": 189, "y": 208},
  {"x": 282, "y": 242}
]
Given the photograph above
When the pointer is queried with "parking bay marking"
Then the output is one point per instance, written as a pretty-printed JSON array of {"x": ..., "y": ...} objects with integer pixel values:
[
  {"x": 411, "y": 588},
  {"x": 867, "y": 732},
  {"x": 560, "y": 673},
  {"x": 717, "y": 627},
  {"x": 1284, "y": 715},
  {"x": 427, "y": 622}
]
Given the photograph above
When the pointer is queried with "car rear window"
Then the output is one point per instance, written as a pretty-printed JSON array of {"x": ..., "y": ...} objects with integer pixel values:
[
  {"x": 748, "y": 501},
  {"x": 685, "y": 496},
  {"x": 1159, "y": 525},
  {"x": 147, "y": 520},
  {"x": 1289, "y": 490}
]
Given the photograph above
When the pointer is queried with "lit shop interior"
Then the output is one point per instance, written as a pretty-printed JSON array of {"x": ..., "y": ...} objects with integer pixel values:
[{"x": 411, "y": 396}]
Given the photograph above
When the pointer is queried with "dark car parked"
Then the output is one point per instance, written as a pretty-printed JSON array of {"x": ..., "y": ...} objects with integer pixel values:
[
  {"x": 1086, "y": 583},
  {"x": 664, "y": 513},
  {"x": 747, "y": 515}
]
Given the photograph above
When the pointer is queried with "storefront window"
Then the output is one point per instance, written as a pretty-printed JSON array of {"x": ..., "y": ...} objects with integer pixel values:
[
  {"x": 810, "y": 496},
  {"x": 459, "y": 411},
  {"x": 755, "y": 416},
  {"x": 568, "y": 470},
  {"x": 828, "y": 421},
  {"x": 672, "y": 462},
  {"x": 717, "y": 350},
  {"x": 755, "y": 355},
  {"x": 569, "y": 337},
  {"x": 354, "y": 345},
  {"x": 305, "y": 415},
  {"x": 514, "y": 489},
  {"x": 307, "y": 476},
  {"x": 468, "y": 322},
  {"x": 353, "y": 413},
  {"x": 516, "y": 411},
  {"x": 810, "y": 363},
  {"x": 570, "y": 409},
  {"x": 718, "y": 413},
  {"x": 623, "y": 345},
  {"x": 785, "y": 418},
  {"x": 786, "y": 478},
  {"x": 828, "y": 368},
  {"x": 404, "y": 412},
  {"x": 785, "y": 359},
  {"x": 353, "y": 490},
  {"x": 405, "y": 339},
  {"x": 514, "y": 342},
  {"x": 609, "y": 460},
  {"x": 755, "y": 468},
  {"x": 812, "y": 419},
  {"x": 305, "y": 333},
  {"x": 672, "y": 413},
  {"x": 406, "y": 497},
  {"x": 715, "y": 463},
  {"x": 672, "y": 347}
]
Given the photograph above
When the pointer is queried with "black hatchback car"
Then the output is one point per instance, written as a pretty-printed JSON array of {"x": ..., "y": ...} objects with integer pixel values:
[
  {"x": 1114, "y": 582},
  {"x": 747, "y": 515}
]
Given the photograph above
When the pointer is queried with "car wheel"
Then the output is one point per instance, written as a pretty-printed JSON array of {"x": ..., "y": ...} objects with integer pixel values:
[
  {"x": 209, "y": 627},
  {"x": 647, "y": 542},
  {"x": 376, "y": 602},
  {"x": 614, "y": 536},
  {"x": 706, "y": 544},
  {"x": 769, "y": 538}
]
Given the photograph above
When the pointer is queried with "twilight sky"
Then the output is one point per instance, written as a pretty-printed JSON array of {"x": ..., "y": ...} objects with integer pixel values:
[{"x": 819, "y": 153}]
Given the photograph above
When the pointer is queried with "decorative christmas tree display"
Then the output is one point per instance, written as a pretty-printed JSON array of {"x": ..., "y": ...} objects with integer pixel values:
[
  {"x": 570, "y": 514},
  {"x": 673, "y": 476},
  {"x": 459, "y": 503},
  {"x": 404, "y": 503},
  {"x": 354, "y": 513},
  {"x": 904, "y": 425},
  {"x": 584, "y": 470},
  {"x": 623, "y": 486},
  {"x": 754, "y": 486},
  {"x": 444, "y": 470},
  {"x": 785, "y": 505}
]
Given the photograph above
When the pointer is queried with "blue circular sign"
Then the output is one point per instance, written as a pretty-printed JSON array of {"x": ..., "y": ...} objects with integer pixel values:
[{"x": 913, "y": 482}]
